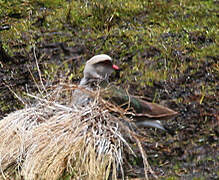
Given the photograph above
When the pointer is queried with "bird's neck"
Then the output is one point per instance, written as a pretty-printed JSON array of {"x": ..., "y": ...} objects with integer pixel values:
[
  {"x": 84, "y": 81},
  {"x": 93, "y": 82},
  {"x": 88, "y": 82}
]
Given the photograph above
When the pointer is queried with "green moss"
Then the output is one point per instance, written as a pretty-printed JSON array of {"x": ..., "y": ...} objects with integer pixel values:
[
  {"x": 50, "y": 3},
  {"x": 177, "y": 29},
  {"x": 152, "y": 40},
  {"x": 171, "y": 178}
]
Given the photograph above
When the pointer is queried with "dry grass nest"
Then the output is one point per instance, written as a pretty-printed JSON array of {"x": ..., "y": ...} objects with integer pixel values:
[{"x": 51, "y": 138}]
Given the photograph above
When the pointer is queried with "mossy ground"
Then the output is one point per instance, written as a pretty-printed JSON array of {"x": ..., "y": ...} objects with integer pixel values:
[{"x": 167, "y": 51}]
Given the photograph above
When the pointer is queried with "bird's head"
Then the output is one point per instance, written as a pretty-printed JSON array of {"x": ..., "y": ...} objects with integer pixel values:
[{"x": 99, "y": 67}]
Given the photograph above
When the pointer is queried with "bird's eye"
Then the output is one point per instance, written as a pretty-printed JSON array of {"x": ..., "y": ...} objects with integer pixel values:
[{"x": 106, "y": 63}]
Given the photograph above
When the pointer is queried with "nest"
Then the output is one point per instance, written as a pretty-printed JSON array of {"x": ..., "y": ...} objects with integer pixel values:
[{"x": 52, "y": 138}]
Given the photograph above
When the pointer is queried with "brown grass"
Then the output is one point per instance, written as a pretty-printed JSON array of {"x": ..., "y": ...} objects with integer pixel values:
[{"x": 51, "y": 138}]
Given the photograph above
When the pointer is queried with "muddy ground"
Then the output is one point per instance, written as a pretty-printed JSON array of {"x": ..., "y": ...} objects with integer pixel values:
[{"x": 192, "y": 153}]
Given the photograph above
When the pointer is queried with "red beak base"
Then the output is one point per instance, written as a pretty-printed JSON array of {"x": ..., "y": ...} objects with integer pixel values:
[{"x": 115, "y": 67}]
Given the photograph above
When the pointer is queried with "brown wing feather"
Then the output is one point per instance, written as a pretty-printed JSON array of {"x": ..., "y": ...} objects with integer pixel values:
[{"x": 138, "y": 107}]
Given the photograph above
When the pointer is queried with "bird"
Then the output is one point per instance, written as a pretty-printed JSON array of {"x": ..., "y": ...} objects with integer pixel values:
[
  {"x": 99, "y": 67},
  {"x": 145, "y": 114},
  {"x": 96, "y": 69}
]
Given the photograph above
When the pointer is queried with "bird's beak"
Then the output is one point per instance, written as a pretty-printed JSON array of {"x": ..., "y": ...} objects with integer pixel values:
[{"x": 115, "y": 67}]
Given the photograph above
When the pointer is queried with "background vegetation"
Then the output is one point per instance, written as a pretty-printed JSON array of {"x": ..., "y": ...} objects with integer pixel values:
[{"x": 167, "y": 51}]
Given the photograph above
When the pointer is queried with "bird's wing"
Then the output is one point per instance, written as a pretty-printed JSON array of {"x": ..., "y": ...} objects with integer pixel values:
[{"x": 138, "y": 107}]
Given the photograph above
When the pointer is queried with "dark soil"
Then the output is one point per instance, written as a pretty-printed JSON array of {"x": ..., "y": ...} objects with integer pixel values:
[{"x": 193, "y": 152}]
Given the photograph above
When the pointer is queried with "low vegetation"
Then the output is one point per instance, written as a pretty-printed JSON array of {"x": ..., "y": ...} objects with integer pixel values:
[{"x": 167, "y": 51}]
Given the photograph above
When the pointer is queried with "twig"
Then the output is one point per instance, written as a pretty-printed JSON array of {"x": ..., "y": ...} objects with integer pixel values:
[
  {"x": 14, "y": 93},
  {"x": 46, "y": 101},
  {"x": 38, "y": 69},
  {"x": 34, "y": 81},
  {"x": 147, "y": 167}
]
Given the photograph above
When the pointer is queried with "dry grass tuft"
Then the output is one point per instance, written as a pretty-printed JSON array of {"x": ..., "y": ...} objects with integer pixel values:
[{"x": 52, "y": 138}]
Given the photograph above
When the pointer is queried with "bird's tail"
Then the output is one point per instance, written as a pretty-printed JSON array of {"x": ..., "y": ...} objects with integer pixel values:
[{"x": 154, "y": 124}]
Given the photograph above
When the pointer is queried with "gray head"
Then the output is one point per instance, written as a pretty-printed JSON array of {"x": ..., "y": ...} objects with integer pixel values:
[{"x": 99, "y": 67}]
